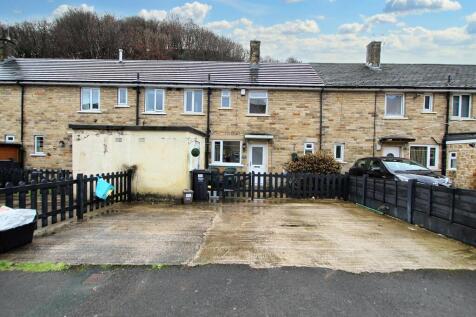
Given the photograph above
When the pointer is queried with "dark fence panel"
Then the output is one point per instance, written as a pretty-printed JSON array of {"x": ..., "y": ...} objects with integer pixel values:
[
  {"x": 449, "y": 211},
  {"x": 16, "y": 175},
  {"x": 64, "y": 198}
]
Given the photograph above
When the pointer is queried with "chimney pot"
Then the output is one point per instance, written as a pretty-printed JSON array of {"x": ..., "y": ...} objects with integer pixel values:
[
  {"x": 374, "y": 49},
  {"x": 254, "y": 53},
  {"x": 120, "y": 55}
]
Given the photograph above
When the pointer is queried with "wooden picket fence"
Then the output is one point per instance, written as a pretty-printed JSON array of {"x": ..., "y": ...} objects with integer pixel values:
[
  {"x": 66, "y": 197},
  {"x": 27, "y": 175}
]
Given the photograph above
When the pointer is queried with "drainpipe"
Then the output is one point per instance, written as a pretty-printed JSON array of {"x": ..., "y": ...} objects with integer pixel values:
[
  {"x": 320, "y": 118},
  {"x": 447, "y": 124},
  {"x": 22, "y": 123},
  {"x": 207, "y": 137},
  {"x": 137, "y": 99},
  {"x": 375, "y": 123}
]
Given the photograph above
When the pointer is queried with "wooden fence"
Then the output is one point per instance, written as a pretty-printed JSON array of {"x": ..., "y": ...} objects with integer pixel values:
[
  {"x": 276, "y": 185},
  {"x": 449, "y": 211},
  {"x": 57, "y": 200},
  {"x": 16, "y": 175}
]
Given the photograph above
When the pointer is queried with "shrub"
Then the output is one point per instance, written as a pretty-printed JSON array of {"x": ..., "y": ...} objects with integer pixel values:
[{"x": 319, "y": 163}]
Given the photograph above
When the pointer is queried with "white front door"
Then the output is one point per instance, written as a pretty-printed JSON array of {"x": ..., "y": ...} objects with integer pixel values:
[
  {"x": 391, "y": 151},
  {"x": 258, "y": 158}
]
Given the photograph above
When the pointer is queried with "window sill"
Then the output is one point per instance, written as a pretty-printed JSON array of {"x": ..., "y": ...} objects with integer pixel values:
[
  {"x": 193, "y": 113},
  {"x": 38, "y": 155},
  {"x": 258, "y": 115},
  {"x": 429, "y": 112},
  {"x": 158, "y": 113},
  {"x": 341, "y": 162},
  {"x": 121, "y": 106},
  {"x": 217, "y": 164},
  {"x": 462, "y": 119},
  {"x": 224, "y": 108},
  {"x": 90, "y": 111},
  {"x": 395, "y": 118}
]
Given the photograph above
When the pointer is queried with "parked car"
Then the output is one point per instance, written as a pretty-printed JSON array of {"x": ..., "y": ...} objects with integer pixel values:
[{"x": 395, "y": 168}]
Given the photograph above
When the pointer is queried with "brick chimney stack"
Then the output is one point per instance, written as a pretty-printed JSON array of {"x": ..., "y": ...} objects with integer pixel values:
[
  {"x": 254, "y": 53},
  {"x": 374, "y": 49}
]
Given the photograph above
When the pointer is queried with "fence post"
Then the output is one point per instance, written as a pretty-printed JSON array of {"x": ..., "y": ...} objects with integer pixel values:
[
  {"x": 364, "y": 188},
  {"x": 252, "y": 185},
  {"x": 129, "y": 185},
  {"x": 346, "y": 186},
  {"x": 79, "y": 196},
  {"x": 410, "y": 200},
  {"x": 9, "y": 195}
]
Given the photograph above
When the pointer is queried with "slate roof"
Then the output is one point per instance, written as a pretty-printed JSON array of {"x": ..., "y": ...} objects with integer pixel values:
[
  {"x": 397, "y": 75},
  {"x": 158, "y": 72}
]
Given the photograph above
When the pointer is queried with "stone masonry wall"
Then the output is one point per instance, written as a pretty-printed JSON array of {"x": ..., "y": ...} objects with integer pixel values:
[
  {"x": 465, "y": 174},
  {"x": 10, "y": 112}
]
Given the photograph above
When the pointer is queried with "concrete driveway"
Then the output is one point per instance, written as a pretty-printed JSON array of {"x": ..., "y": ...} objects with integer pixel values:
[{"x": 328, "y": 234}]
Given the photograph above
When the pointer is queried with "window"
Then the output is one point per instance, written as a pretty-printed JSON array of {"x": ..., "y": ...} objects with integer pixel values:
[
  {"x": 122, "y": 97},
  {"x": 39, "y": 142},
  {"x": 461, "y": 107},
  {"x": 226, "y": 152},
  {"x": 258, "y": 102},
  {"x": 154, "y": 100},
  {"x": 394, "y": 105},
  {"x": 308, "y": 148},
  {"x": 339, "y": 152},
  {"x": 428, "y": 103},
  {"x": 9, "y": 138},
  {"x": 452, "y": 161},
  {"x": 193, "y": 101},
  {"x": 226, "y": 98},
  {"x": 426, "y": 155},
  {"x": 90, "y": 99}
]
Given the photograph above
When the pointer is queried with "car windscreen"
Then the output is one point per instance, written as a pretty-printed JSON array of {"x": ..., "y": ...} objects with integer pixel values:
[{"x": 403, "y": 166}]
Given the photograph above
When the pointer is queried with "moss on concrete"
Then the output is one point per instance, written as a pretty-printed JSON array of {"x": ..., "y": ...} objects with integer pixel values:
[{"x": 33, "y": 266}]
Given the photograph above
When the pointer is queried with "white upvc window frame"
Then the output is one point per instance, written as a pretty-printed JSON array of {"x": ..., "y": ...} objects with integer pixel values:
[
  {"x": 156, "y": 110},
  {"x": 452, "y": 156},
  {"x": 9, "y": 138},
  {"x": 225, "y": 93},
  {"x": 193, "y": 101},
  {"x": 36, "y": 147},
  {"x": 221, "y": 163},
  {"x": 250, "y": 93},
  {"x": 430, "y": 96},
  {"x": 119, "y": 103},
  {"x": 90, "y": 92},
  {"x": 309, "y": 146},
  {"x": 342, "y": 152},
  {"x": 460, "y": 96},
  {"x": 428, "y": 147},
  {"x": 402, "y": 105}
]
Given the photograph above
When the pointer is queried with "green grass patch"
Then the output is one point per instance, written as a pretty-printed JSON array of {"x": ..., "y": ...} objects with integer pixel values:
[
  {"x": 158, "y": 266},
  {"x": 33, "y": 267}
]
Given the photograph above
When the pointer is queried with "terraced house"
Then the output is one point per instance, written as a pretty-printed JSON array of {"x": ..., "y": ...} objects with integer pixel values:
[{"x": 92, "y": 115}]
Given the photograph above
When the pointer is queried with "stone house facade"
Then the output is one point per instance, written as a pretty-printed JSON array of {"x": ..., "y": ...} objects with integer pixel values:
[{"x": 255, "y": 114}]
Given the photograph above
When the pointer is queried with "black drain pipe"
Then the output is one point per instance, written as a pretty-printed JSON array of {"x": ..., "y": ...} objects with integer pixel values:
[
  {"x": 22, "y": 123},
  {"x": 207, "y": 136},
  {"x": 444, "y": 147},
  {"x": 375, "y": 123},
  {"x": 137, "y": 98},
  {"x": 320, "y": 119}
]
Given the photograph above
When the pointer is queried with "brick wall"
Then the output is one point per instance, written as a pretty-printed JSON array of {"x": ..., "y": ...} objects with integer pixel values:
[{"x": 465, "y": 174}]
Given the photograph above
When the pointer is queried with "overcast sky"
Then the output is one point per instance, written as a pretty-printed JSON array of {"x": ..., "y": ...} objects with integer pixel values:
[{"x": 419, "y": 31}]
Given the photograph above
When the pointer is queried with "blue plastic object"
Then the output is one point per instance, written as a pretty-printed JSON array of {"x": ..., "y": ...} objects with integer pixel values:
[{"x": 103, "y": 189}]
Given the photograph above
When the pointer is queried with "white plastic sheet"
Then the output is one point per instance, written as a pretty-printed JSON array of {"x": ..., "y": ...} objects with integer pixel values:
[{"x": 13, "y": 218}]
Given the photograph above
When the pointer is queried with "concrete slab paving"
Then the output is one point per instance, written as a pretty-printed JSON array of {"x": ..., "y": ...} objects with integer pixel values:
[{"x": 327, "y": 234}]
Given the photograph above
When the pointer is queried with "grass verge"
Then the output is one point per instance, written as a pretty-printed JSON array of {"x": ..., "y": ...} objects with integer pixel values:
[{"x": 33, "y": 266}]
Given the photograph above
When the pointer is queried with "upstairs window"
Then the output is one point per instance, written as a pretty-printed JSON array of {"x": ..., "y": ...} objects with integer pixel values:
[
  {"x": 39, "y": 142},
  {"x": 258, "y": 102},
  {"x": 226, "y": 99},
  {"x": 308, "y": 148},
  {"x": 428, "y": 103},
  {"x": 154, "y": 100},
  {"x": 193, "y": 101},
  {"x": 90, "y": 99},
  {"x": 426, "y": 155},
  {"x": 394, "y": 105},
  {"x": 339, "y": 152},
  {"x": 9, "y": 138},
  {"x": 452, "y": 161},
  {"x": 461, "y": 107},
  {"x": 122, "y": 97}
]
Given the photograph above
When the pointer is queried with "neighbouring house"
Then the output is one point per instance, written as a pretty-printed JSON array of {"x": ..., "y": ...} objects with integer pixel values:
[{"x": 92, "y": 115}]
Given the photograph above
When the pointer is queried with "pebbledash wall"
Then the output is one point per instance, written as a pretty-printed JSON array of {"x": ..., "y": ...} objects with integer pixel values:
[{"x": 292, "y": 120}]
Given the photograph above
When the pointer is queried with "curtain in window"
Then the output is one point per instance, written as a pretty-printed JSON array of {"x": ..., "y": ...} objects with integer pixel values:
[
  {"x": 419, "y": 154},
  {"x": 394, "y": 105}
]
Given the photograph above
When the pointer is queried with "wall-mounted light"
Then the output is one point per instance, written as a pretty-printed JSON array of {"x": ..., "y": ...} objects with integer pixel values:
[
  {"x": 243, "y": 92},
  {"x": 61, "y": 144}
]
